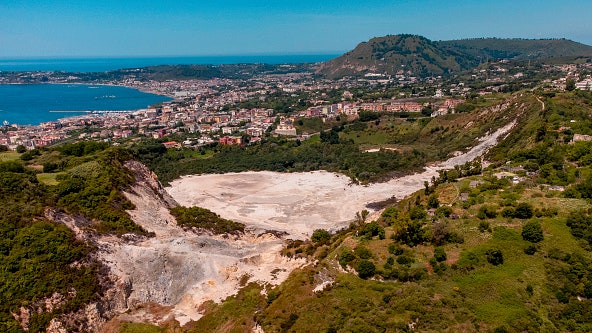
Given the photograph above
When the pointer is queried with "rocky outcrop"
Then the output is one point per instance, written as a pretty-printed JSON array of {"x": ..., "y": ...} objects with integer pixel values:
[{"x": 174, "y": 271}]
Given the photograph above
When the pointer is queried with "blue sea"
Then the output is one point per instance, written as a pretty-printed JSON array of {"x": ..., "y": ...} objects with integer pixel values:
[
  {"x": 108, "y": 64},
  {"x": 37, "y": 103}
]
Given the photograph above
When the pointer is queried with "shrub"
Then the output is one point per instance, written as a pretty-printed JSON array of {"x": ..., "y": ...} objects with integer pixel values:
[
  {"x": 373, "y": 229},
  {"x": 523, "y": 211},
  {"x": 405, "y": 260},
  {"x": 395, "y": 249},
  {"x": 530, "y": 250},
  {"x": 484, "y": 226},
  {"x": 362, "y": 252},
  {"x": 345, "y": 257},
  {"x": 201, "y": 218},
  {"x": 417, "y": 213},
  {"x": 494, "y": 256},
  {"x": 439, "y": 254},
  {"x": 444, "y": 211},
  {"x": 412, "y": 235},
  {"x": 320, "y": 236},
  {"x": 366, "y": 269},
  {"x": 433, "y": 201},
  {"x": 487, "y": 212},
  {"x": 532, "y": 232},
  {"x": 507, "y": 212}
]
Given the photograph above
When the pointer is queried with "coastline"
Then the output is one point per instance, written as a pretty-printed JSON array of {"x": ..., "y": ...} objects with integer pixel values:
[{"x": 91, "y": 113}]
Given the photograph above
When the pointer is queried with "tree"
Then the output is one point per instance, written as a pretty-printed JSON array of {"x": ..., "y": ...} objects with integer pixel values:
[
  {"x": 570, "y": 84},
  {"x": 366, "y": 269},
  {"x": 320, "y": 236},
  {"x": 523, "y": 211},
  {"x": 532, "y": 232},
  {"x": 433, "y": 201},
  {"x": 331, "y": 137},
  {"x": 20, "y": 149},
  {"x": 412, "y": 234}
]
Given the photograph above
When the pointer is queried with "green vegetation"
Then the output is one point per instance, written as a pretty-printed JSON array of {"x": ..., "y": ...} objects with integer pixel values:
[
  {"x": 515, "y": 256},
  {"x": 235, "y": 314},
  {"x": 37, "y": 257},
  {"x": 139, "y": 328},
  {"x": 9, "y": 156},
  {"x": 429, "y": 58},
  {"x": 201, "y": 218},
  {"x": 404, "y": 145}
]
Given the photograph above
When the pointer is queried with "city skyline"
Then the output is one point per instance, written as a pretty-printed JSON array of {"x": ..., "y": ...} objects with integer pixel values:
[{"x": 135, "y": 28}]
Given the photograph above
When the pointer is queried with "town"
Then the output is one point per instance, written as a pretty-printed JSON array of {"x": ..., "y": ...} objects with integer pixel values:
[{"x": 237, "y": 111}]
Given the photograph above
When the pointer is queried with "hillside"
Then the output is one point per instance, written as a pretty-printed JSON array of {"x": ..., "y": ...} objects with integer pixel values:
[
  {"x": 516, "y": 49},
  {"x": 418, "y": 56},
  {"x": 500, "y": 247}
]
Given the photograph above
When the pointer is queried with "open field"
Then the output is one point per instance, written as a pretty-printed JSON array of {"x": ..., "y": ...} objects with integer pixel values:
[{"x": 9, "y": 156}]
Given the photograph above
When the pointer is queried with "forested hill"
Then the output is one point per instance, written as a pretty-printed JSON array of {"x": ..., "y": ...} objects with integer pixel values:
[{"x": 419, "y": 56}]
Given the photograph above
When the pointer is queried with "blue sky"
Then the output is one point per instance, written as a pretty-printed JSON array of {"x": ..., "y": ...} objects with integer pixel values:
[{"x": 44, "y": 28}]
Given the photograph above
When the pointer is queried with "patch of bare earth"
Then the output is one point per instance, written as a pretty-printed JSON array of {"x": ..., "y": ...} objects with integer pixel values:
[{"x": 181, "y": 270}]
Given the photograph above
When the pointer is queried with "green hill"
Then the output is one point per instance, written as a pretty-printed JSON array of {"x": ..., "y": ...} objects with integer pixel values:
[
  {"x": 476, "y": 251},
  {"x": 418, "y": 56}
]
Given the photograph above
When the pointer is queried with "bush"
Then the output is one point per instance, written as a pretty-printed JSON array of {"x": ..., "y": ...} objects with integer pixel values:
[
  {"x": 444, "y": 211},
  {"x": 508, "y": 212},
  {"x": 523, "y": 211},
  {"x": 417, "y": 213},
  {"x": 532, "y": 232},
  {"x": 487, "y": 212},
  {"x": 433, "y": 201},
  {"x": 201, "y": 218},
  {"x": 412, "y": 235},
  {"x": 494, "y": 257},
  {"x": 484, "y": 226},
  {"x": 530, "y": 250},
  {"x": 345, "y": 257},
  {"x": 373, "y": 229},
  {"x": 320, "y": 236},
  {"x": 366, "y": 269},
  {"x": 405, "y": 260},
  {"x": 362, "y": 252},
  {"x": 395, "y": 249},
  {"x": 439, "y": 254}
]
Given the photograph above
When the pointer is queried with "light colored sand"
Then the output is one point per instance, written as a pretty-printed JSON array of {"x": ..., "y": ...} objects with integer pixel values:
[{"x": 298, "y": 203}]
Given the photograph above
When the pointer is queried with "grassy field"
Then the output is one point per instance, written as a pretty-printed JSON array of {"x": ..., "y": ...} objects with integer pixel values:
[
  {"x": 48, "y": 178},
  {"x": 9, "y": 156}
]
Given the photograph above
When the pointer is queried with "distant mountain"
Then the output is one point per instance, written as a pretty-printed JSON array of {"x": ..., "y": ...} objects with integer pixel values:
[{"x": 420, "y": 56}]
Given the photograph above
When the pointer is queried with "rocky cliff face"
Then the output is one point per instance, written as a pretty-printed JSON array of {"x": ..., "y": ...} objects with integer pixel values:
[{"x": 175, "y": 271}]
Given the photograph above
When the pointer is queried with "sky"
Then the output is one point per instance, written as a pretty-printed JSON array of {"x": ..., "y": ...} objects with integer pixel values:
[{"x": 120, "y": 28}]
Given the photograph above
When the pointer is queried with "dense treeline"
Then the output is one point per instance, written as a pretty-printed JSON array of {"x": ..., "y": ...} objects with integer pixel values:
[{"x": 284, "y": 156}]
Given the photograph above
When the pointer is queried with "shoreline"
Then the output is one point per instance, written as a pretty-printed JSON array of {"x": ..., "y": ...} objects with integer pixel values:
[{"x": 85, "y": 113}]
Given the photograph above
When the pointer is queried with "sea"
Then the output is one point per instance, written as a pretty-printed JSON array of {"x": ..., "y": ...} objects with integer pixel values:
[
  {"x": 32, "y": 104},
  {"x": 37, "y": 103}
]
